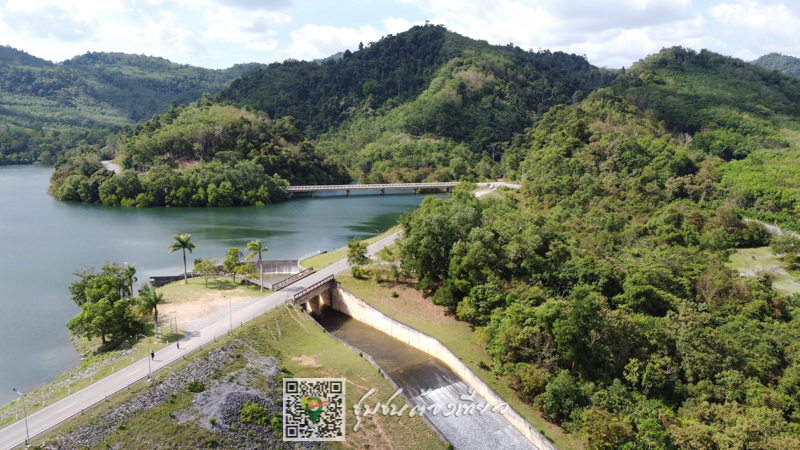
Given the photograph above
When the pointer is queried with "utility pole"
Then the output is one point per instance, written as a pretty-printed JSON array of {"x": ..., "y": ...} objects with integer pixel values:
[{"x": 25, "y": 411}]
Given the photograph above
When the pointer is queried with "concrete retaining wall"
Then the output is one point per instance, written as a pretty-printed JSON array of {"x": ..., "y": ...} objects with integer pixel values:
[{"x": 346, "y": 302}]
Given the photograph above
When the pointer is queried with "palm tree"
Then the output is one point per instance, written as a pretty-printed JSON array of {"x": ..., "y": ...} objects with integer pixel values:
[
  {"x": 182, "y": 243},
  {"x": 149, "y": 299},
  {"x": 255, "y": 248},
  {"x": 128, "y": 274}
]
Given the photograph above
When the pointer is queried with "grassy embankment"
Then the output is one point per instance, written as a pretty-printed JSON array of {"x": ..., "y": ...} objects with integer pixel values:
[
  {"x": 326, "y": 259},
  {"x": 96, "y": 366},
  {"x": 752, "y": 261},
  {"x": 307, "y": 352}
]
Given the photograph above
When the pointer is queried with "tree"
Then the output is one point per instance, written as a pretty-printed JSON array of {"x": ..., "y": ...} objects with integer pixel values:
[
  {"x": 129, "y": 271},
  {"x": 357, "y": 255},
  {"x": 104, "y": 311},
  {"x": 245, "y": 271},
  {"x": 785, "y": 243},
  {"x": 148, "y": 301},
  {"x": 104, "y": 319},
  {"x": 255, "y": 248},
  {"x": 232, "y": 258},
  {"x": 207, "y": 268},
  {"x": 182, "y": 242}
]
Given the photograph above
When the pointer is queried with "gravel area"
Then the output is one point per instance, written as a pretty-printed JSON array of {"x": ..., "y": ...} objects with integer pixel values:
[
  {"x": 222, "y": 399},
  {"x": 198, "y": 369}
]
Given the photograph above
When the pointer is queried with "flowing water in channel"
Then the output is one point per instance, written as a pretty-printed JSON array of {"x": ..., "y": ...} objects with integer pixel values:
[
  {"x": 44, "y": 241},
  {"x": 427, "y": 381}
]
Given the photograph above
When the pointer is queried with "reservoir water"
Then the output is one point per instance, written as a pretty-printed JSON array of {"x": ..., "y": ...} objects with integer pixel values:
[{"x": 44, "y": 241}]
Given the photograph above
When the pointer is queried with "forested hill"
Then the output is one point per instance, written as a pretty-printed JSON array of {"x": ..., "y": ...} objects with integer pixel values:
[
  {"x": 201, "y": 155},
  {"x": 397, "y": 68},
  {"x": 423, "y": 104},
  {"x": 782, "y": 63},
  {"x": 600, "y": 289},
  {"x": 47, "y": 107}
]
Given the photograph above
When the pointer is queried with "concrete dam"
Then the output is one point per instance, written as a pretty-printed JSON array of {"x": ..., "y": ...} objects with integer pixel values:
[{"x": 429, "y": 374}]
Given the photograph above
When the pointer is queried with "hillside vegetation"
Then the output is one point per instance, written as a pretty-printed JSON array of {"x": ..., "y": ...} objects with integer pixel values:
[
  {"x": 47, "y": 108},
  {"x": 600, "y": 290},
  {"x": 201, "y": 155},
  {"x": 782, "y": 63},
  {"x": 426, "y": 104}
]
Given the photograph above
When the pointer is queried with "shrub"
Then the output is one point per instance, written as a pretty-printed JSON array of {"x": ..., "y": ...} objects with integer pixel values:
[
  {"x": 276, "y": 423},
  {"x": 193, "y": 386},
  {"x": 212, "y": 421},
  {"x": 252, "y": 412},
  {"x": 792, "y": 261},
  {"x": 394, "y": 294}
]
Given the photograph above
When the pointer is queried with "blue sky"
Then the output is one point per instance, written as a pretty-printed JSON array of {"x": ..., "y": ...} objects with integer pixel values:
[{"x": 219, "y": 33}]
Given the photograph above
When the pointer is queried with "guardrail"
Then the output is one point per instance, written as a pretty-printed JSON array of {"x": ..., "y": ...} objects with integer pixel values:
[
  {"x": 343, "y": 187},
  {"x": 305, "y": 291},
  {"x": 293, "y": 279},
  {"x": 310, "y": 255}
]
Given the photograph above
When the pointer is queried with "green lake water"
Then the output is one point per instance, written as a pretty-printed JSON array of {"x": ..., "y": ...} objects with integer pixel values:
[{"x": 44, "y": 241}]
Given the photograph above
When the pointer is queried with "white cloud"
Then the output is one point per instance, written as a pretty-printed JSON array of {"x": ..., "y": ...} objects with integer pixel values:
[
  {"x": 591, "y": 27},
  {"x": 239, "y": 26},
  {"x": 263, "y": 46},
  {"x": 398, "y": 25},
  {"x": 755, "y": 28},
  {"x": 319, "y": 41}
]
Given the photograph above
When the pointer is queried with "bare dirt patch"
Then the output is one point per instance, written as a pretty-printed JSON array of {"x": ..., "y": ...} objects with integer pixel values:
[
  {"x": 306, "y": 360},
  {"x": 206, "y": 304}
]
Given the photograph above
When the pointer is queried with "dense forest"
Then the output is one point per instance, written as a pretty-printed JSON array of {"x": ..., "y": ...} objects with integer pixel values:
[
  {"x": 600, "y": 290},
  {"x": 782, "y": 63},
  {"x": 48, "y": 108},
  {"x": 426, "y": 104},
  {"x": 201, "y": 155}
]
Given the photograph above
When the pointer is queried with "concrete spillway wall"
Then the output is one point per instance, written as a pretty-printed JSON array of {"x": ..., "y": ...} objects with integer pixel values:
[{"x": 344, "y": 301}]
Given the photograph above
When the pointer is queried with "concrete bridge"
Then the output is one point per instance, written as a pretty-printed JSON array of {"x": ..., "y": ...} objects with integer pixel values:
[{"x": 448, "y": 187}]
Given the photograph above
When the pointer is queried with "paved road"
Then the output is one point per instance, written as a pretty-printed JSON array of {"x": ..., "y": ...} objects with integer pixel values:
[
  {"x": 42, "y": 420},
  {"x": 772, "y": 228},
  {"x": 108, "y": 165}
]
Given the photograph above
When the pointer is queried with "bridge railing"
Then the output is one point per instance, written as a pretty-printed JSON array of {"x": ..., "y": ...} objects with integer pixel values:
[
  {"x": 342, "y": 187},
  {"x": 311, "y": 288},
  {"x": 293, "y": 279}
]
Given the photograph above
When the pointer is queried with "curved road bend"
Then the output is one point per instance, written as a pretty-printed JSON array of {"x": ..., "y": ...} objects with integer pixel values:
[
  {"x": 108, "y": 165},
  {"x": 50, "y": 416},
  {"x": 44, "y": 419}
]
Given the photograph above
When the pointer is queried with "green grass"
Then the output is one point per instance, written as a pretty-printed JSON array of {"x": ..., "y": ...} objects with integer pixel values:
[
  {"x": 335, "y": 361},
  {"x": 751, "y": 261},
  {"x": 286, "y": 334},
  {"x": 196, "y": 289},
  {"x": 326, "y": 259},
  {"x": 412, "y": 309}
]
